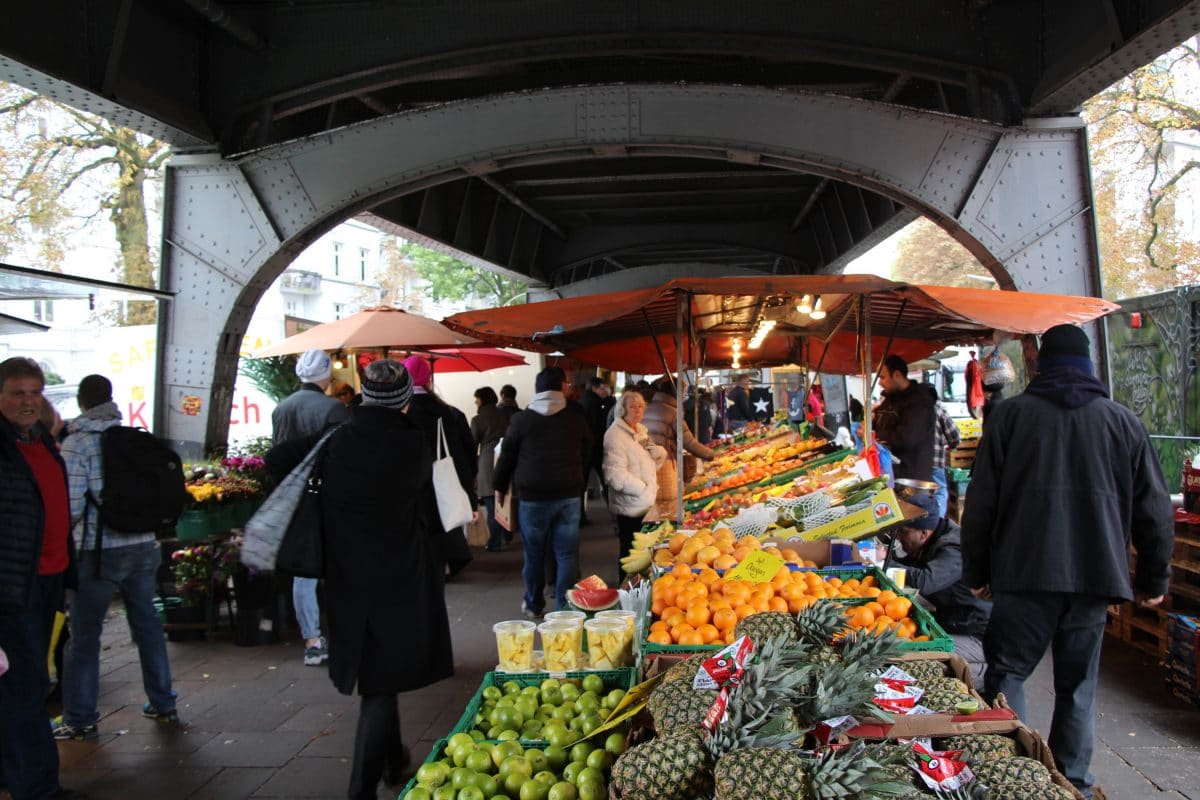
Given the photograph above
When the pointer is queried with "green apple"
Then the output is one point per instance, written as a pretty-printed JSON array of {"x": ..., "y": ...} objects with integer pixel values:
[
  {"x": 511, "y": 687},
  {"x": 537, "y": 759},
  {"x": 470, "y": 793},
  {"x": 480, "y": 761},
  {"x": 556, "y": 757},
  {"x": 589, "y": 775},
  {"x": 461, "y": 777},
  {"x": 492, "y": 693},
  {"x": 593, "y": 683},
  {"x": 486, "y": 784},
  {"x": 534, "y": 790},
  {"x": 432, "y": 775},
  {"x": 445, "y": 792},
  {"x": 461, "y": 753},
  {"x": 418, "y": 793},
  {"x": 615, "y": 743},
  {"x": 562, "y": 791},
  {"x": 600, "y": 759},
  {"x": 613, "y": 699},
  {"x": 581, "y": 750}
]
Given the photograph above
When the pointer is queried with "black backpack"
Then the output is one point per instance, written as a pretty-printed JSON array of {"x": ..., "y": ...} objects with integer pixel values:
[{"x": 143, "y": 483}]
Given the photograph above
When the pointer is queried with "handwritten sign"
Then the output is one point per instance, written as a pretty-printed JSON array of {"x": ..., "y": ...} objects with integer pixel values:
[{"x": 757, "y": 567}]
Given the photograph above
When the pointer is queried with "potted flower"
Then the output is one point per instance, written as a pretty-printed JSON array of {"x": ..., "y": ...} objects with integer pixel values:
[{"x": 197, "y": 520}]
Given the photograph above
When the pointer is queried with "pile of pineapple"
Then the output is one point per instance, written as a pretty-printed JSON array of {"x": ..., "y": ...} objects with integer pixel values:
[{"x": 795, "y": 680}]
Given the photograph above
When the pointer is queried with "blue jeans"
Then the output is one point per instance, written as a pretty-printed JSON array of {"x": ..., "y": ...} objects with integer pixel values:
[
  {"x": 27, "y": 747},
  {"x": 130, "y": 570},
  {"x": 942, "y": 495},
  {"x": 556, "y": 521},
  {"x": 308, "y": 613},
  {"x": 1022, "y": 626}
]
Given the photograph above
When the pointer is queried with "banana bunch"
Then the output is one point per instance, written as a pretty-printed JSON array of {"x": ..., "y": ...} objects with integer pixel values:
[{"x": 642, "y": 552}]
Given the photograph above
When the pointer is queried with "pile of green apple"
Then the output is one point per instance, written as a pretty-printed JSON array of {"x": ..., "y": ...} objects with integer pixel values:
[
  {"x": 471, "y": 769},
  {"x": 560, "y": 712}
]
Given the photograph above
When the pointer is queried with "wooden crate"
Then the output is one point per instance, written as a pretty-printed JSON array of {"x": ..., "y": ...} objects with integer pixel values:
[{"x": 963, "y": 456}]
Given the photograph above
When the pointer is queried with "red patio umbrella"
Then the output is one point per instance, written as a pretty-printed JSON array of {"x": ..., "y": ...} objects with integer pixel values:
[{"x": 457, "y": 359}]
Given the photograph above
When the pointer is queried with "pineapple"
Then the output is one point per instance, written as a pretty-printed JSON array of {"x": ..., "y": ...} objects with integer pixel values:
[
  {"x": 673, "y": 766},
  {"x": 943, "y": 694},
  {"x": 1016, "y": 770},
  {"x": 924, "y": 670},
  {"x": 685, "y": 670},
  {"x": 980, "y": 747},
  {"x": 817, "y": 623},
  {"x": 767, "y": 625},
  {"x": 678, "y": 705},
  {"x": 761, "y": 772}
]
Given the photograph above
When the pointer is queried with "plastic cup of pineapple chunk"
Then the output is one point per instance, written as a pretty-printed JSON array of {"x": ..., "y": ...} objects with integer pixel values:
[
  {"x": 514, "y": 645},
  {"x": 560, "y": 645},
  {"x": 629, "y": 619},
  {"x": 606, "y": 643},
  {"x": 576, "y": 617}
]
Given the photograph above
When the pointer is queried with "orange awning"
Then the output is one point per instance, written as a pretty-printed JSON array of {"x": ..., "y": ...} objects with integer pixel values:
[{"x": 615, "y": 329}]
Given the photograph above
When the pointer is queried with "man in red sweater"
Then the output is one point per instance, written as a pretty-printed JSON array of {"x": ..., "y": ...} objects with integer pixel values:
[{"x": 36, "y": 568}]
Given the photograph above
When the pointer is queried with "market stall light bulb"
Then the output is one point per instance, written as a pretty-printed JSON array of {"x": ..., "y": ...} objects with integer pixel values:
[
  {"x": 817, "y": 311},
  {"x": 805, "y": 305},
  {"x": 339, "y": 364}
]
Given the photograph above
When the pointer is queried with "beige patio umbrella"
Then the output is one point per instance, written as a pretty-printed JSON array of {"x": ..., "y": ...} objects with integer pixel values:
[{"x": 373, "y": 328}]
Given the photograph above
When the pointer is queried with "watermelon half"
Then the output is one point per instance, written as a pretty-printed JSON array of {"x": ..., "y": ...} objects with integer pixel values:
[{"x": 593, "y": 599}]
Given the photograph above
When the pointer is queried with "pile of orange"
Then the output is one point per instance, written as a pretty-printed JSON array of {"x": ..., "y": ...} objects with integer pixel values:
[
  {"x": 719, "y": 549},
  {"x": 703, "y": 608}
]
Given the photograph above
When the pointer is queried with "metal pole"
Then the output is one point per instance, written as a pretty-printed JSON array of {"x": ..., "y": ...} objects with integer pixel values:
[
  {"x": 891, "y": 338},
  {"x": 681, "y": 299},
  {"x": 657, "y": 346},
  {"x": 865, "y": 313}
]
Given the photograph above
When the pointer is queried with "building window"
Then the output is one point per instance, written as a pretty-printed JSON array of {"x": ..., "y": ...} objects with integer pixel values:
[
  {"x": 43, "y": 310},
  {"x": 339, "y": 310},
  {"x": 337, "y": 259},
  {"x": 362, "y": 264},
  {"x": 291, "y": 306}
]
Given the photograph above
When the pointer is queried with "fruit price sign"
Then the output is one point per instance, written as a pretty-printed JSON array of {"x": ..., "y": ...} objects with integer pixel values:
[{"x": 759, "y": 566}]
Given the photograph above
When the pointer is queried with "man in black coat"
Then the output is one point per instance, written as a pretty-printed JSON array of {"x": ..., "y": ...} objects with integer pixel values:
[
  {"x": 596, "y": 401},
  {"x": 932, "y": 556},
  {"x": 904, "y": 421},
  {"x": 37, "y": 565},
  {"x": 1064, "y": 481},
  {"x": 545, "y": 455}
]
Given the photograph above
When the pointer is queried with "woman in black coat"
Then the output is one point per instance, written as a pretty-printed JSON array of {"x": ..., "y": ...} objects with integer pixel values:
[
  {"x": 384, "y": 574},
  {"x": 425, "y": 411}
]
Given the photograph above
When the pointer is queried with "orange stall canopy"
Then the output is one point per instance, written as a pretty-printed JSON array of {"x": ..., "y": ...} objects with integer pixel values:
[{"x": 618, "y": 330}]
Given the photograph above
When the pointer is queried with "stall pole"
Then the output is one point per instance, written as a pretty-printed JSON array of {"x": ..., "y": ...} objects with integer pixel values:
[
  {"x": 891, "y": 338},
  {"x": 657, "y": 346},
  {"x": 681, "y": 300},
  {"x": 864, "y": 305}
]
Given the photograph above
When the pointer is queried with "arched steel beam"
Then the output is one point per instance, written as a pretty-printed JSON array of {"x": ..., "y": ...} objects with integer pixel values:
[{"x": 1018, "y": 198}]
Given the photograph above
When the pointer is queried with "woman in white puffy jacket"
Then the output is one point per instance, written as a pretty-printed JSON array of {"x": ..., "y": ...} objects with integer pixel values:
[{"x": 631, "y": 462}]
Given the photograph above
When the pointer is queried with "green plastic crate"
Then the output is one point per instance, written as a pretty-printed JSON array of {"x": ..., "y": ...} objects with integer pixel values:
[
  {"x": 435, "y": 754},
  {"x": 623, "y": 678}
]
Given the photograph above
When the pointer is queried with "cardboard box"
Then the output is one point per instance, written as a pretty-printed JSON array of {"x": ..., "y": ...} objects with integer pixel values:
[{"x": 883, "y": 511}]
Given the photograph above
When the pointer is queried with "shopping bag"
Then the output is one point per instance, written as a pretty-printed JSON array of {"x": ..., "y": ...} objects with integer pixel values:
[
  {"x": 477, "y": 531},
  {"x": 504, "y": 511},
  {"x": 264, "y": 532},
  {"x": 302, "y": 551},
  {"x": 454, "y": 505}
]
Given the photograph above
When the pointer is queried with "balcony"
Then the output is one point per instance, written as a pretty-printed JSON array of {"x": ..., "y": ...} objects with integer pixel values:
[{"x": 297, "y": 281}]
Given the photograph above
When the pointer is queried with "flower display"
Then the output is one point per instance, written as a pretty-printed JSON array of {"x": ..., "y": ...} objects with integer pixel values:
[
  {"x": 195, "y": 569},
  {"x": 202, "y": 493}
]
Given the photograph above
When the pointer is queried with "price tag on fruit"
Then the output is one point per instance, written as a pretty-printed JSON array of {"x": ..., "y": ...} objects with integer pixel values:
[{"x": 758, "y": 566}]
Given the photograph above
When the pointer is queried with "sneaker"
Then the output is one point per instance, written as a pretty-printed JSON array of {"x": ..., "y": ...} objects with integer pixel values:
[
  {"x": 62, "y": 729},
  {"x": 162, "y": 716},
  {"x": 317, "y": 655},
  {"x": 529, "y": 612}
]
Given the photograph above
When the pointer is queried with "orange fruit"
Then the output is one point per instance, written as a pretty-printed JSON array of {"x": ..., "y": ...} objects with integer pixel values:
[
  {"x": 656, "y": 607},
  {"x": 682, "y": 571},
  {"x": 886, "y": 596},
  {"x": 869, "y": 580},
  {"x": 677, "y": 631},
  {"x": 744, "y": 610},
  {"x": 691, "y": 637},
  {"x": 698, "y": 614},
  {"x": 707, "y": 554},
  {"x": 799, "y": 604},
  {"x": 898, "y": 608},
  {"x": 677, "y": 542},
  {"x": 876, "y": 609},
  {"x": 673, "y": 616},
  {"x": 724, "y": 618},
  {"x": 729, "y": 636},
  {"x": 659, "y": 625},
  {"x": 870, "y": 591},
  {"x": 708, "y": 577},
  {"x": 861, "y": 617},
  {"x": 725, "y": 561},
  {"x": 790, "y": 555},
  {"x": 663, "y": 558},
  {"x": 660, "y": 637},
  {"x": 777, "y": 604},
  {"x": 708, "y": 633}
]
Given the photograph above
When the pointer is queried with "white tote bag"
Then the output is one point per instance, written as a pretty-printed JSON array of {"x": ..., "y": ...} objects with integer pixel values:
[{"x": 454, "y": 506}]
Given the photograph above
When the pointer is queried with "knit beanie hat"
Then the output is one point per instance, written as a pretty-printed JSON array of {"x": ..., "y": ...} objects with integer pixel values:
[
  {"x": 418, "y": 370},
  {"x": 1065, "y": 346},
  {"x": 549, "y": 380},
  {"x": 386, "y": 383},
  {"x": 313, "y": 365}
]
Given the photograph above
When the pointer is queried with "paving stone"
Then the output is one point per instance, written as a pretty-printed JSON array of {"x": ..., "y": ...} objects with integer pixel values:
[
  {"x": 314, "y": 718},
  {"x": 309, "y": 777},
  {"x": 177, "y": 740},
  {"x": 233, "y": 782},
  {"x": 249, "y": 749}
]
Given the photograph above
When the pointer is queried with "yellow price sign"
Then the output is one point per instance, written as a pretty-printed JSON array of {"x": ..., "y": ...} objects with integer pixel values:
[
  {"x": 757, "y": 567},
  {"x": 633, "y": 702}
]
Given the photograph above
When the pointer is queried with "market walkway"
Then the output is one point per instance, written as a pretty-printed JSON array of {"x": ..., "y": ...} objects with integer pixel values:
[{"x": 259, "y": 724}]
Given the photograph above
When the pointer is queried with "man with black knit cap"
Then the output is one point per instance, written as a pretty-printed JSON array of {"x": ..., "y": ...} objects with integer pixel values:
[
  {"x": 1064, "y": 481},
  {"x": 545, "y": 455}
]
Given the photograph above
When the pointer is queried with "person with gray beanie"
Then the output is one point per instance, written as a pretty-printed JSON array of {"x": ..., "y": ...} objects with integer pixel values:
[
  {"x": 384, "y": 572},
  {"x": 305, "y": 413},
  {"x": 1064, "y": 482}
]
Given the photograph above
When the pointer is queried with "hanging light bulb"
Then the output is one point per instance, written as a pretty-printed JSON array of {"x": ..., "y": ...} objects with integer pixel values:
[
  {"x": 805, "y": 305},
  {"x": 817, "y": 311}
]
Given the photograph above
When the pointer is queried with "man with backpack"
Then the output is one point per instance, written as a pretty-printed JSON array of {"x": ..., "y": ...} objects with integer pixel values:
[{"x": 112, "y": 560}]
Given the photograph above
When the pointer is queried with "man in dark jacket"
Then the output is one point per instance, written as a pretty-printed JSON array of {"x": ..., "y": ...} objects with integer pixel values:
[
  {"x": 487, "y": 428},
  {"x": 305, "y": 414},
  {"x": 545, "y": 455},
  {"x": 37, "y": 564},
  {"x": 1064, "y": 481},
  {"x": 740, "y": 411},
  {"x": 904, "y": 421},
  {"x": 932, "y": 555}
]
